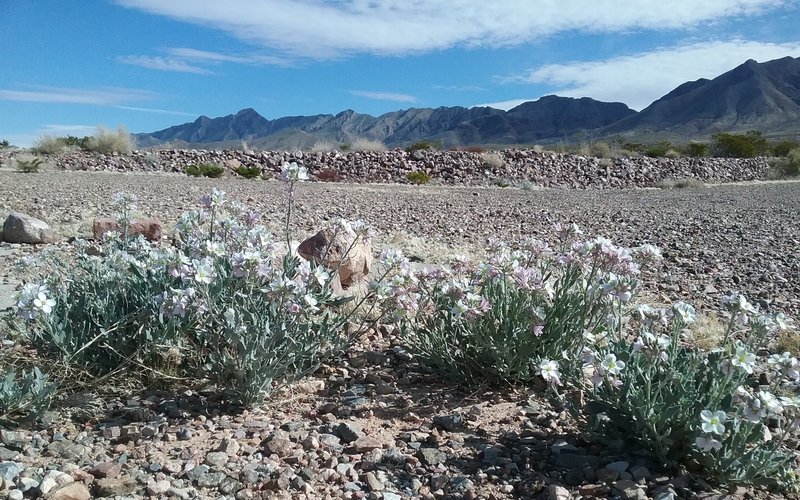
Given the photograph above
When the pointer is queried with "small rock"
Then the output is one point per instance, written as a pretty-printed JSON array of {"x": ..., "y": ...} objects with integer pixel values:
[
  {"x": 106, "y": 470},
  {"x": 555, "y": 492},
  {"x": 348, "y": 432},
  {"x": 10, "y": 470},
  {"x": 15, "y": 495},
  {"x": 431, "y": 456},
  {"x": 216, "y": 458},
  {"x": 629, "y": 490},
  {"x": 450, "y": 422},
  {"x": 156, "y": 488},
  {"x": 115, "y": 487},
  {"x": 366, "y": 443},
  {"x": 278, "y": 445},
  {"x": 373, "y": 482}
]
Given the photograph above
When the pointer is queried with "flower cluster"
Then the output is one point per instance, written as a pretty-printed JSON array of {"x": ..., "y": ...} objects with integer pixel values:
[{"x": 34, "y": 300}]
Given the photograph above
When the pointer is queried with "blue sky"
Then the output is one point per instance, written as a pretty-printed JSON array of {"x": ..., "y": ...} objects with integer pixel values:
[{"x": 68, "y": 67}]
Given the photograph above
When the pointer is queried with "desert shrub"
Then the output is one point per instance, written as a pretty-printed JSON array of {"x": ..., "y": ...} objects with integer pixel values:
[
  {"x": 526, "y": 185},
  {"x": 788, "y": 166},
  {"x": 26, "y": 396},
  {"x": 107, "y": 142},
  {"x": 418, "y": 177},
  {"x": 509, "y": 318},
  {"x": 537, "y": 149},
  {"x": 323, "y": 147},
  {"x": 492, "y": 159},
  {"x": 683, "y": 183},
  {"x": 368, "y": 145},
  {"x": 4, "y": 144},
  {"x": 688, "y": 406},
  {"x": 28, "y": 164},
  {"x": 205, "y": 170},
  {"x": 600, "y": 150},
  {"x": 423, "y": 145},
  {"x": 228, "y": 302},
  {"x": 658, "y": 150},
  {"x": 696, "y": 149},
  {"x": 584, "y": 150},
  {"x": 672, "y": 154},
  {"x": 748, "y": 145},
  {"x": 49, "y": 145},
  {"x": 782, "y": 148},
  {"x": 344, "y": 147},
  {"x": 77, "y": 142},
  {"x": 248, "y": 172},
  {"x": 328, "y": 175}
]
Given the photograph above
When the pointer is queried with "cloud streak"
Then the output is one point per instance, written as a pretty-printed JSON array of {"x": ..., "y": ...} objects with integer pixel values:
[
  {"x": 384, "y": 96},
  {"x": 163, "y": 64},
  {"x": 329, "y": 29},
  {"x": 157, "y": 110},
  {"x": 639, "y": 79},
  {"x": 103, "y": 96}
]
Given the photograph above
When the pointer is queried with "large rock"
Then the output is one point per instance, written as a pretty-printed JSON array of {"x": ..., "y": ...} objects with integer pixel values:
[
  {"x": 70, "y": 491},
  {"x": 339, "y": 251},
  {"x": 22, "y": 228},
  {"x": 149, "y": 228}
]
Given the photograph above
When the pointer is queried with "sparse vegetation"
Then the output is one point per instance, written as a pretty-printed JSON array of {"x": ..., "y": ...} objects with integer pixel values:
[
  {"x": 368, "y": 145},
  {"x": 4, "y": 144},
  {"x": 108, "y": 142},
  {"x": 28, "y": 164},
  {"x": 787, "y": 166},
  {"x": 600, "y": 150},
  {"x": 248, "y": 172},
  {"x": 658, "y": 150},
  {"x": 49, "y": 145},
  {"x": 418, "y": 177},
  {"x": 748, "y": 145},
  {"x": 423, "y": 145},
  {"x": 205, "y": 170},
  {"x": 782, "y": 148},
  {"x": 680, "y": 183},
  {"x": 696, "y": 149},
  {"x": 323, "y": 147},
  {"x": 492, "y": 159},
  {"x": 24, "y": 397}
]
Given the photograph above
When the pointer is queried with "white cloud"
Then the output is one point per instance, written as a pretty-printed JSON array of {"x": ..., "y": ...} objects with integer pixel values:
[
  {"x": 157, "y": 110},
  {"x": 504, "y": 105},
  {"x": 163, "y": 64},
  {"x": 384, "y": 96},
  {"x": 99, "y": 96},
  {"x": 335, "y": 28},
  {"x": 209, "y": 56},
  {"x": 640, "y": 79},
  {"x": 459, "y": 88}
]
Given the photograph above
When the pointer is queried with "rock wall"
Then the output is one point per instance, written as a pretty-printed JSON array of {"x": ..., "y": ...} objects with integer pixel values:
[{"x": 448, "y": 167}]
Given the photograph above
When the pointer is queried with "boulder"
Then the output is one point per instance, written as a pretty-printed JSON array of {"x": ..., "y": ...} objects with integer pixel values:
[
  {"x": 149, "y": 228},
  {"x": 339, "y": 251},
  {"x": 22, "y": 228}
]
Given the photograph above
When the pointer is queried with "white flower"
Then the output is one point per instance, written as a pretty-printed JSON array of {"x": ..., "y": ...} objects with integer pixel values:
[
  {"x": 292, "y": 172},
  {"x": 549, "y": 371},
  {"x": 612, "y": 365},
  {"x": 230, "y": 317},
  {"x": 43, "y": 303},
  {"x": 713, "y": 422},
  {"x": 203, "y": 271},
  {"x": 685, "y": 312},
  {"x": 707, "y": 444},
  {"x": 744, "y": 359},
  {"x": 392, "y": 257},
  {"x": 771, "y": 403},
  {"x": 321, "y": 275},
  {"x": 215, "y": 248}
]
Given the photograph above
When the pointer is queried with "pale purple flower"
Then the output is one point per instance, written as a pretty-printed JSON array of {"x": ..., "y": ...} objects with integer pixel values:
[
  {"x": 203, "y": 270},
  {"x": 685, "y": 312},
  {"x": 707, "y": 443}
]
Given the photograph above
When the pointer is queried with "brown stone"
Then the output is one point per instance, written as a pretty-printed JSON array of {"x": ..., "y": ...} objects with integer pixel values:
[
  {"x": 22, "y": 228},
  {"x": 338, "y": 251},
  {"x": 106, "y": 470},
  {"x": 70, "y": 491},
  {"x": 151, "y": 229}
]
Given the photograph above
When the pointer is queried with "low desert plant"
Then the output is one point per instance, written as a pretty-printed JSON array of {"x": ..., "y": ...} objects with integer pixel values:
[
  {"x": 4, "y": 144},
  {"x": 788, "y": 166},
  {"x": 248, "y": 172},
  {"x": 108, "y": 142},
  {"x": 696, "y": 149},
  {"x": 684, "y": 183},
  {"x": 26, "y": 396},
  {"x": 49, "y": 145},
  {"x": 492, "y": 159},
  {"x": 747, "y": 145},
  {"x": 205, "y": 170},
  {"x": 423, "y": 145},
  {"x": 782, "y": 148},
  {"x": 658, "y": 150},
  {"x": 367, "y": 145},
  {"x": 418, "y": 177},
  {"x": 28, "y": 164},
  {"x": 600, "y": 150},
  {"x": 323, "y": 147}
]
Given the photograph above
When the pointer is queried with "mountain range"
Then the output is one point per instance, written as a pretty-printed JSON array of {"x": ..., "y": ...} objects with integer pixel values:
[{"x": 752, "y": 96}]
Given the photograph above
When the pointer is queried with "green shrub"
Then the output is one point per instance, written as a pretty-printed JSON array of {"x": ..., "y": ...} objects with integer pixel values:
[
  {"x": 696, "y": 149},
  {"x": 783, "y": 148},
  {"x": 658, "y": 150},
  {"x": 28, "y": 165},
  {"x": 49, "y": 145},
  {"x": 748, "y": 145},
  {"x": 205, "y": 170},
  {"x": 248, "y": 172},
  {"x": 24, "y": 397},
  {"x": 80, "y": 142},
  {"x": 107, "y": 142},
  {"x": 418, "y": 177},
  {"x": 600, "y": 150},
  {"x": 4, "y": 144},
  {"x": 788, "y": 166},
  {"x": 423, "y": 145}
]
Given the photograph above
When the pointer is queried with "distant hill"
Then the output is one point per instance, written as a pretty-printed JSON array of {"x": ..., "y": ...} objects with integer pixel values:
[{"x": 763, "y": 96}]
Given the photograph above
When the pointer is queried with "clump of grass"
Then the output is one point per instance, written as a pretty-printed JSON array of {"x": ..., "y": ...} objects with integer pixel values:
[
  {"x": 492, "y": 159},
  {"x": 707, "y": 332},
  {"x": 788, "y": 340},
  {"x": 368, "y": 145},
  {"x": 672, "y": 154},
  {"x": 418, "y": 177},
  {"x": 323, "y": 147},
  {"x": 28, "y": 164},
  {"x": 49, "y": 145},
  {"x": 600, "y": 150},
  {"x": 205, "y": 170},
  {"x": 248, "y": 172},
  {"x": 680, "y": 183},
  {"x": 788, "y": 166},
  {"x": 108, "y": 142}
]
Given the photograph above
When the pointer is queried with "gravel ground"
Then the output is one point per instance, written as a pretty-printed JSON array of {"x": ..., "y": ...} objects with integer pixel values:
[{"x": 373, "y": 424}]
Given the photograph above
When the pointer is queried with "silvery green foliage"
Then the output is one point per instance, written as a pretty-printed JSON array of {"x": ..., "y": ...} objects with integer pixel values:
[
  {"x": 26, "y": 396},
  {"x": 243, "y": 312},
  {"x": 525, "y": 311},
  {"x": 686, "y": 405}
]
